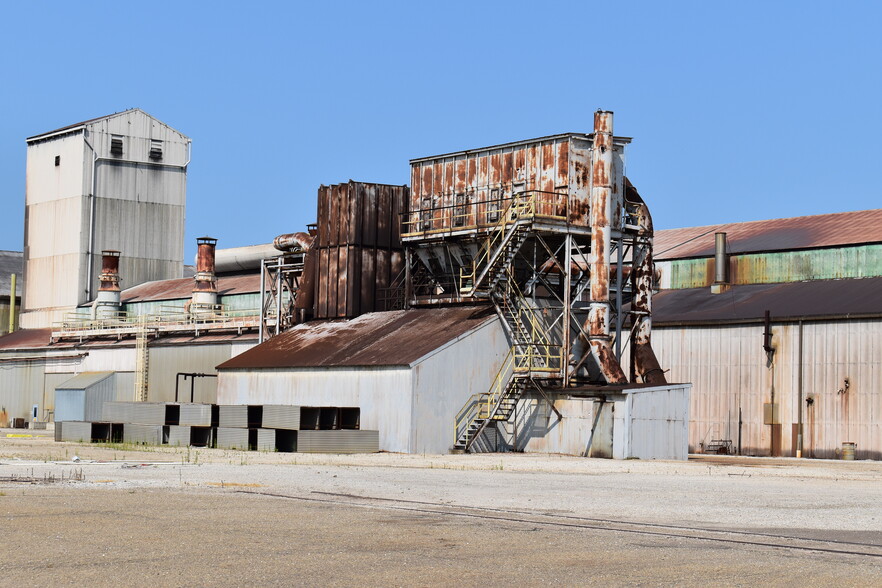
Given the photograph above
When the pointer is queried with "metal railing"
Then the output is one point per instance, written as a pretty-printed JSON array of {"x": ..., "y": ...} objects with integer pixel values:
[
  {"x": 482, "y": 213},
  {"x": 204, "y": 317}
]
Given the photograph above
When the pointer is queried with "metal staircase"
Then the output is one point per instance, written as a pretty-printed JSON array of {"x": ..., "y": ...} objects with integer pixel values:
[{"x": 532, "y": 355}]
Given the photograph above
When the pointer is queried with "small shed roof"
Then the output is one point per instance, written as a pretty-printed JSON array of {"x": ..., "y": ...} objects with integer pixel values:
[
  {"x": 84, "y": 380},
  {"x": 782, "y": 234},
  {"x": 396, "y": 338},
  {"x": 850, "y": 298}
]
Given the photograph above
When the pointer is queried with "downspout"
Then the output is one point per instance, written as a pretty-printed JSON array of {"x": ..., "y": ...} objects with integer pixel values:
[
  {"x": 601, "y": 212},
  {"x": 799, "y": 392}
]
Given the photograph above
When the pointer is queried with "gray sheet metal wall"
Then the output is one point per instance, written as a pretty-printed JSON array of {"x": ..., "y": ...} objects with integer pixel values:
[
  {"x": 729, "y": 370},
  {"x": 383, "y": 394}
]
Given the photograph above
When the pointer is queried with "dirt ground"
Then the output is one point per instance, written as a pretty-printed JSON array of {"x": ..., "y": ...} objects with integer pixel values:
[{"x": 103, "y": 515}]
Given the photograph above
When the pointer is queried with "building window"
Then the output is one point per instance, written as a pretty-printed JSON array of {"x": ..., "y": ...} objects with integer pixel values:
[
  {"x": 116, "y": 144},
  {"x": 155, "y": 149},
  {"x": 57, "y": 160}
]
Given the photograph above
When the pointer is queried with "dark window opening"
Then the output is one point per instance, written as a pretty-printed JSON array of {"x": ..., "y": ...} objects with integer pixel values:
[
  {"x": 116, "y": 145},
  {"x": 57, "y": 160},
  {"x": 155, "y": 149}
]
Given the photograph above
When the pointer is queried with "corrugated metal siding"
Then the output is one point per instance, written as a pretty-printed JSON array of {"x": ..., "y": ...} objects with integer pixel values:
[
  {"x": 117, "y": 412},
  {"x": 179, "y": 436},
  {"x": 146, "y": 434},
  {"x": 233, "y": 416},
  {"x": 232, "y": 438},
  {"x": 281, "y": 417},
  {"x": 83, "y": 398},
  {"x": 476, "y": 180},
  {"x": 266, "y": 440},
  {"x": 728, "y": 369},
  {"x": 383, "y": 394},
  {"x": 338, "y": 441},
  {"x": 197, "y": 415},
  {"x": 863, "y": 261},
  {"x": 22, "y": 387},
  {"x": 165, "y": 362},
  {"x": 77, "y": 432},
  {"x": 358, "y": 246},
  {"x": 139, "y": 210},
  {"x": 443, "y": 382},
  {"x": 804, "y": 232}
]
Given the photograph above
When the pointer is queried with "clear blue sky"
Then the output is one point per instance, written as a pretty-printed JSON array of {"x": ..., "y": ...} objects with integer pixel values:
[{"x": 739, "y": 110}]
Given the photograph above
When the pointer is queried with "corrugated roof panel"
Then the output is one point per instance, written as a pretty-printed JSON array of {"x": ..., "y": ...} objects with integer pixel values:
[
  {"x": 820, "y": 298},
  {"x": 803, "y": 232},
  {"x": 180, "y": 288},
  {"x": 396, "y": 338}
]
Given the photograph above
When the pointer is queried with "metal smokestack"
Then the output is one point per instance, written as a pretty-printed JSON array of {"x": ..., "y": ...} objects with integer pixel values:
[
  {"x": 721, "y": 260},
  {"x": 205, "y": 290},
  {"x": 601, "y": 238},
  {"x": 107, "y": 304}
]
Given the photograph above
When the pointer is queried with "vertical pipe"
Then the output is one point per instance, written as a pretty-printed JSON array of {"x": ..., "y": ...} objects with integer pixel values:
[
  {"x": 799, "y": 396},
  {"x": 721, "y": 260},
  {"x": 12, "y": 303},
  {"x": 260, "y": 329},
  {"x": 568, "y": 288},
  {"x": 601, "y": 236}
]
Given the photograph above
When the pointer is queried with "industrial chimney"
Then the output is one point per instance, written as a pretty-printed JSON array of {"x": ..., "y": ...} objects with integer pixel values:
[
  {"x": 204, "y": 298},
  {"x": 721, "y": 264},
  {"x": 107, "y": 304}
]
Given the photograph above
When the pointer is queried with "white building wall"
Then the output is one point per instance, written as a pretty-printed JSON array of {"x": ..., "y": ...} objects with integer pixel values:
[
  {"x": 729, "y": 370},
  {"x": 383, "y": 394},
  {"x": 447, "y": 378}
]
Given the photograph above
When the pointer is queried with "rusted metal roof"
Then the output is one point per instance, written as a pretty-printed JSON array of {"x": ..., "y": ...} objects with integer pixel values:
[
  {"x": 851, "y": 298},
  {"x": 803, "y": 232},
  {"x": 396, "y": 338},
  {"x": 244, "y": 283},
  {"x": 26, "y": 339}
]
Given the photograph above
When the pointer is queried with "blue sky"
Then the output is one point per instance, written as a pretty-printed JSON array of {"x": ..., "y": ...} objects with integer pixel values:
[{"x": 739, "y": 110}]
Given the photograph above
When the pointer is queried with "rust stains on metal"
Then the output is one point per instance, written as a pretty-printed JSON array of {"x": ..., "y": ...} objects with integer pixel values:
[
  {"x": 206, "y": 281},
  {"x": 397, "y": 338},
  {"x": 180, "y": 288},
  {"x": 109, "y": 276},
  {"x": 357, "y": 253},
  {"x": 293, "y": 241},
  {"x": 805, "y": 232},
  {"x": 607, "y": 362}
]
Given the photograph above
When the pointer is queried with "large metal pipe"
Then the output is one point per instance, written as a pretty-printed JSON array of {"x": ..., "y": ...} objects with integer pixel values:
[
  {"x": 293, "y": 241},
  {"x": 601, "y": 204},
  {"x": 205, "y": 288},
  {"x": 11, "y": 303},
  {"x": 645, "y": 362},
  {"x": 304, "y": 303},
  {"x": 721, "y": 259}
]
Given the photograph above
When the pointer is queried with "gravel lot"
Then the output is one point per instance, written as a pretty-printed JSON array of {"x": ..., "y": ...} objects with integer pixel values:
[{"x": 212, "y": 517}]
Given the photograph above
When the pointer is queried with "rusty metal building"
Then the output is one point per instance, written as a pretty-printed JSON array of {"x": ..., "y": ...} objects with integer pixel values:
[{"x": 803, "y": 381}]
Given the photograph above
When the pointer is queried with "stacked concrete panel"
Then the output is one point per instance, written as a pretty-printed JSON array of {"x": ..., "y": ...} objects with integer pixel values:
[{"x": 338, "y": 441}]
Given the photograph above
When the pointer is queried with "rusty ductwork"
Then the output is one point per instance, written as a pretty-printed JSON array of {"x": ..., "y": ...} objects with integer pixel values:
[
  {"x": 304, "y": 303},
  {"x": 644, "y": 362},
  {"x": 205, "y": 290},
  {"x": 107, "y": 304},
  {"x": 601, "y": 204},
  {"x": 293, "y": 241}
]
